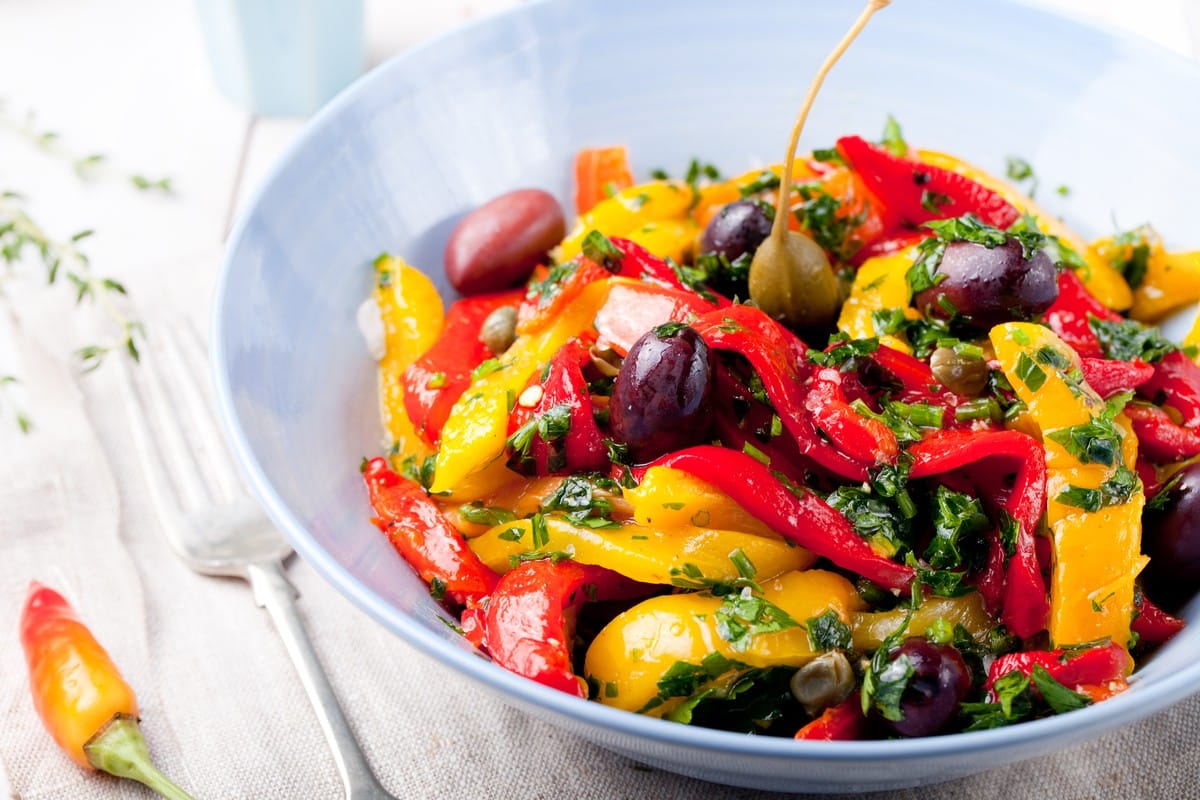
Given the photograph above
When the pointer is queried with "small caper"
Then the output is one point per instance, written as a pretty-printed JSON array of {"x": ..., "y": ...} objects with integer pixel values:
[
  {"x": 499, "y": 330},
  {"x": 960, "y": 373},
  {"x": 792, "y": 281},
  {"x": 823, "y": 682}
]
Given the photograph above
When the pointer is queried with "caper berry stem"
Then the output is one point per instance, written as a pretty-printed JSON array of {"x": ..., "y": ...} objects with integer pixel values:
[{"x": 779, "y": 227}]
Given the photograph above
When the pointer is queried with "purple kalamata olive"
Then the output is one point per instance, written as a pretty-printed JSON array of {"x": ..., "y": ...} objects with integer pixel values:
[
  {"x": 498, "y": 244},
  {"x": 1171, "y": 537},
  {"x": 989, "y": 286},
  {"x": 939, "y": 682},
  {"x": 737, "y": 229},
  {"x": 662, "y": 397}
]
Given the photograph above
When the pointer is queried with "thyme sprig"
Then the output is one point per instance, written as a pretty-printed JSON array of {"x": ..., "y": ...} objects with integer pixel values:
[
  {"x": 22, "y": 239},
  {"x": 87, "y": 166},
  {"x": 23, "y": 420}
]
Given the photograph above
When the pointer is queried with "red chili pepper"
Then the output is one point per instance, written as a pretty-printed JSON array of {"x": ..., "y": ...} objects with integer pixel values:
[
  {"x": 780, "y": 359},
  {"x": 1160, "y": 439},
  {"x": 913, "y": 192},
  {"x": 424, "y": 537},
  {"x": 794, "y": 512},
  {"x": 79, "y": 693},
  {"x": 1097, "y": 665},
  {"x": 1109, "y": 377},
  {"x": 581, "y": 448},
  {"x": 1025, "y": 606},
  {"x": 1151, "y": 623},
  {"x": 529, "y": 624},
  {"x": 435, "y": 381},
  {"x": 1176, "y": 383},
  {"x": 1070, "y": 315},
  {"x": 865, "y": 439},
  {"x": 843, "y": 722}
]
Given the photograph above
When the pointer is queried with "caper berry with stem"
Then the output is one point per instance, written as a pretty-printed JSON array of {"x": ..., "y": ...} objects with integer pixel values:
[{"x": 791, "y": 278}]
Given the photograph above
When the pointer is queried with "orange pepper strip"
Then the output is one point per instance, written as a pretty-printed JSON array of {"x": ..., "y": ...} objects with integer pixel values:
[{"x": 600, "y": 172}]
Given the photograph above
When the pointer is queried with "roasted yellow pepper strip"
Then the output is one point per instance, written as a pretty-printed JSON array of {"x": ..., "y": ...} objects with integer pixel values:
[
  {"x": 646, "y": 554},
  {"x": 1168, "y": 281},
  {"x": 1100, "y": 278},
  {"x": 870, "y": 628},
  {"x": 634, "y": 652},
  {"x": 1097, "y": 552},
  {"x": 672, "y": 498},
  {"x": 879, "y": 285},
  {"x": 627, "y": 211},
  {"x": 412, "y": 316},
  {"x": 473, "y": 436},
  {"x": 669, "y": 238},
  {"x": 715, "y": 195}
]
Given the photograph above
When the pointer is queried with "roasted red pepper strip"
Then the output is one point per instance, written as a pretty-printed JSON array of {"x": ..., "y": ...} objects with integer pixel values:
[
  {"x": 599, "y": 173},
  {"x": 793, "y": 512},
  {"x": 636, "y": 262},
  {"x": 434, "y": 382},
  {"x": 83, "y": 702},
  {"x": 1110, "y": 377},
  {"x": 581, "y": 448},
  {"x": 632, "y": 309},
  {"x": 913, "y": 192},
  {"x": 529, "y": 625},
  {"x": 424, "y": 537},
  {"x": 865, "y": 439},
  {"x": 1097, "y": 665},
  {"x": 843, "y": 722},
  {"x": 1160, "y": 439},
  {"x": 780, "y": 359},
  {"x": 1025, "y": 605},
  {"x": 1176, "y": 383},
  {"x": 738, "y": 419},
  {"x": 1070, "y": 315},
  {"x": 888, "y": 245},
  {"x": 641, "y": 263},
  {"x": 1152, "y": 624}
]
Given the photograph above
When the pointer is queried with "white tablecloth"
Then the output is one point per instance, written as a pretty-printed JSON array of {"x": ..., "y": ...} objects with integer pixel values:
[{"x": 223, "y": 710}]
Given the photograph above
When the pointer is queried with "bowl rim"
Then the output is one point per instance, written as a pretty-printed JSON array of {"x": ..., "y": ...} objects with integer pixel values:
[{"x": 1123, "y": 709}]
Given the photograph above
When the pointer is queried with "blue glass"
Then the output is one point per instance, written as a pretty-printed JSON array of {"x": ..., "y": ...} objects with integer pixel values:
[{"x": 283, "y": 57}]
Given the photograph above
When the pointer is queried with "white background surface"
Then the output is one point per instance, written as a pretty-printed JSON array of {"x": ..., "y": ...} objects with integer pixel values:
[{"x": 224, "y": 712}]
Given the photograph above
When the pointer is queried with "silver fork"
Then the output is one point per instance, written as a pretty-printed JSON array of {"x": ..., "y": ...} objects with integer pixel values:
[{"x": 215, "y": 526}]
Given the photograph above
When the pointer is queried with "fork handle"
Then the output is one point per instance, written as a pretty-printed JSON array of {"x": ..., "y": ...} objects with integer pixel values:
[{"x": 275, "y": 593}]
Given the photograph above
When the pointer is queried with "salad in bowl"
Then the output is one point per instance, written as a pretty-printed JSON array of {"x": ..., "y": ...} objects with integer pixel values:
[{"x": 652, "y": 475}]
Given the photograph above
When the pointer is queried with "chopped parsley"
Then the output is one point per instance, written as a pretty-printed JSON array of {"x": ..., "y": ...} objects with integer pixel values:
[
  {"x": 765, "y": 181},
  {"x": 1133, "y": 257},
  {"x": 842, "y": 349},
  {"x": 1113, "y": 492},
  {"x": 744, "y": 615},
  {"x": 822, "y": 215},
  {"x": 958, "y": 519},
  {"x": 583, "y": 505},
  {"x": 1127, "y": 340},
  {"x": 1097, "y": 441},
  {"x": 828, "y": 632},
  {"x": 478, "y": 514},
  {"x": 877, "y": 519},
  {"x": 599, "y": 248},
  {"x": 893, "y": 138}
]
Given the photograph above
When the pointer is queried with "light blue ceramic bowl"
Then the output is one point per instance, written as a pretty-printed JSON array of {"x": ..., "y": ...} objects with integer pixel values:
[{"x": 397, "y": 158}]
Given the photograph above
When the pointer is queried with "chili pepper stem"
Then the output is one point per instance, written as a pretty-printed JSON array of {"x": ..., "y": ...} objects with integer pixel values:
[{"x": 120, "y": 749}]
